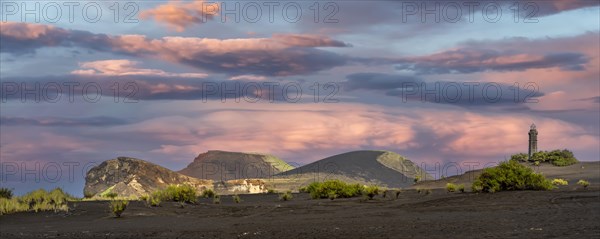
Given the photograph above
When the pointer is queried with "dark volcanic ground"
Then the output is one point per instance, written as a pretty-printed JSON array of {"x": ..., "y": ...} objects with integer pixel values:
[{"x": 565, "y": 213}]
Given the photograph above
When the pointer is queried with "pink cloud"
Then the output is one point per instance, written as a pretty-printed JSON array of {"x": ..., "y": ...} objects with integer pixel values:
[
  {"x": 126, "y": 68},
  {"x": 180, "y": 15}
]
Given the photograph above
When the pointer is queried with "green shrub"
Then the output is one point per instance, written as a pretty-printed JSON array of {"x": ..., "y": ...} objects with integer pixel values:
[
  {"x": 332, "y": 196},
  {"x": 6, "y": 193},
  {"x": 451, "y": 187},
  {"x": 118, "y": 206},
  {"x": 508, "y": 176},
  {"x": 177, "y": 193},
  {"x": 371, "y": 191},
  {"x": 38, "y": 200},
  {"x": 417, "y": 179},
  {"x": 208, "y": 193},
  {"x": 583, "y": 183},
  {"x": 555, "y": 157},
  {"x": 180, "y": 193},
  {"x": 336, "y": 187},
  {"x": 562, "y": 158},
  {"x": 270, "y": 191},
  {"x": 216, "y": 199},
  {"x": 236, "y": 198},
  {"x": 12, "y": 205},
  {"x": 559, "y": 182},
  {"x": 286, "y": 196},
  {"x": 154, "y": 199},
  {"x": 461, "y": 188},
  {"x": 521, "y": 157}
]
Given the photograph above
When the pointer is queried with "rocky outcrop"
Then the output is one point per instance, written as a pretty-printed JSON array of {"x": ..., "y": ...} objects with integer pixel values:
[
  {"x": 241, "y": 186},
  {"x": 223, "y": 166},
  {"x": 130, "y": 177}
]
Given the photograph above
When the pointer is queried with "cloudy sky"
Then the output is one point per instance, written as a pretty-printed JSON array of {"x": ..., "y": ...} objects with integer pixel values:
[{"x": 440, "y": 83}]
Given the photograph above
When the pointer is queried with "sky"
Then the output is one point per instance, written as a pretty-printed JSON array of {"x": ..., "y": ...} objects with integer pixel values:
[{"x": 440, "y": 82}]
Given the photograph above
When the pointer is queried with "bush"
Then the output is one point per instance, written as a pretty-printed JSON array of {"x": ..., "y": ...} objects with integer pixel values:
[
  {"x": 6, "y": 193},
  {"x": 555, "y": 157},
  {"x": 510, "y": 176},
  {"x": 562, "y": 158},
  {"x": 154, "y": 199},
  {"x": 332, "y": 195},
  {"x": 118, "y": 206},
  {"x": 371, "y": 191},
  {"x": 333, "y": 187},
  {"x": 583, "y": 183},
  {"x": 38, "y": 200},
  {"x": 398, "y": 194},
  {"x": 208, "y": 193},
  {"x": 450, "y": 187},
  {"x": 180, "y": 193},
  {"x": 270, "y": 191},
  {"x": 216, "y": 199},
  {"x": 286, "y": 196},
  {"x": 521, "y": 157},
  {"x": 461, "y": 188},
  {"x": 177, "y": 193},
  {"x": 236, "y": 198},
  {"x": 417, "y": 179},
  {"x": 559, "y": 181},
  {"x": 12, "y": 205}
]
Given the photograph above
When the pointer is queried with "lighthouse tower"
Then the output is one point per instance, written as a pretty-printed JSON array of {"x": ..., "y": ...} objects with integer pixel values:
[{"x": 532, "y": 140}]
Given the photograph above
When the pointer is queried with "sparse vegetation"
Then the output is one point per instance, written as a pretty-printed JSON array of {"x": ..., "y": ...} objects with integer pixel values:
[
  {"x": 521, "y": 157},
  {"x": 286, "y": 196},
  {"x": 508, "y": 176},
  {"x": 398, "y": 194},
  {"x": 38, "y": 200},
  {"x": 118, "y": 207},
  {"x": 271, "y": 191},
  {"x": 451, "y": 187},
  {"x": 216, "y": 199},
  {"x": 333, "y": 189},
  {"x": 208, "y": 193},
  {"x": 428, "y": 191},
  {"x": 177, "y": 193},
  {"x": 180, "y": 193},
  {"x": 417, "y": 179},
  {"x": 236, "y": 198},
  {"x": 154, "y": 200},
  {"x": 12, "y": 205},
  {"x": 583, "y": 183},
  {"x": 461, "y": 188},
  {"x": 555, "y": 157},
  {"x": 6, "y": 193},
  {"x": 371, "y": 191},
  {"x": 559, "y": 182}
]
